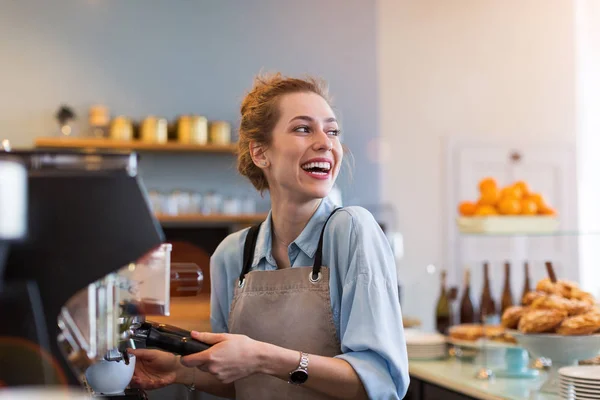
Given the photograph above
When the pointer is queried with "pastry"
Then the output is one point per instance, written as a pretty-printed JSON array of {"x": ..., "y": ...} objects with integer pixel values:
[
  {"x": 505, "y": 338},
  {"x": 565, "y": 288},
  {"x": 577, "y": 307},
  {"x": 511, "y": 317},
  {"x": 578, "y": 294},
  {"x": 551, "y": 302},
  {"x": 493, "y": 331},
  {"x": 561, "y": 287},
  {"x": 531, "y": 296},
  {"x": 584, "y": 324},
  {"x": 546, "y": 286},
  {"x": 469, "y": 332},
  {"x": 541, "y": 320},
  {"x": 591, "y": 361}
]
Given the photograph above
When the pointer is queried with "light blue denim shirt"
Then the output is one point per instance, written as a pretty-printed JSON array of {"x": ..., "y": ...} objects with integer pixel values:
[{"x": 363, "y": 286}]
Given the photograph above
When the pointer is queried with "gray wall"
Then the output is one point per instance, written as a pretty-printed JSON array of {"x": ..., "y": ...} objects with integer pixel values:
[
  {"x": 166, "y": 58},
  {"x": 171, "y": 57}
]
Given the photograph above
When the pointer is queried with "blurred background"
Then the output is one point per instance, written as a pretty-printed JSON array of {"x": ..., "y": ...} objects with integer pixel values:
[{"x": 433, "y": 96}]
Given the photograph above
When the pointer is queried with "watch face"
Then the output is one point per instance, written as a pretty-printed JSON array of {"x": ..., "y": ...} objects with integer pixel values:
[{"x": 299, "y": 377}]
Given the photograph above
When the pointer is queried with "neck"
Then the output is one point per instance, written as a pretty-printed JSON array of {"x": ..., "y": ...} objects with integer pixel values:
[{"x": 290, "y": 217}]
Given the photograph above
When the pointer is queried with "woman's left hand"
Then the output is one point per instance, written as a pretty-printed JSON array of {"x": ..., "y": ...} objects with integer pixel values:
[{"x": 230, "y": 358}]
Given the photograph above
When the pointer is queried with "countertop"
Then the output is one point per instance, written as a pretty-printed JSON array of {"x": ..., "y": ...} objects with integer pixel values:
[
  {"x": 193, "y": 313},
  {"x": 460, "y": 377},
  {"x": 190, "y": 313}
]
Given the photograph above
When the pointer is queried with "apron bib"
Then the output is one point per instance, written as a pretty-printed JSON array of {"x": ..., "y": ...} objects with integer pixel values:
[{"x": 290, "y": 308}]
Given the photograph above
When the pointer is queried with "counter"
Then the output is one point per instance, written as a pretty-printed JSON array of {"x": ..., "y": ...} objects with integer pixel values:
[
  {"x": 190, "y": 313},
  {"x": 454, "y": 380}
]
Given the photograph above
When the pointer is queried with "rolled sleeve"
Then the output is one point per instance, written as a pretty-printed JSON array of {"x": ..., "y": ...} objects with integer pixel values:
[
  {"x": 218, "y": 301},
  {"x": 371, "y": 330},
  {"x": 226, "y": 260}
]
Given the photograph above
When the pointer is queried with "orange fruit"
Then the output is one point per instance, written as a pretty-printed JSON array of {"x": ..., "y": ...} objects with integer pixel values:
[
  {"x": 524, "y": 189},
  {"x": 509, "y": 206},
  {"x": 487, "y": 184},
  {"x": 546, "y": 210},
  {"x": 489, "y": 197},
  {"x": 529, "y": 207},
  {"x": 485, "y": 210},
  {"x": 511, "y": 192},
  {"x": 467, "y": 208},
  {"x": 537, "y": 198}
]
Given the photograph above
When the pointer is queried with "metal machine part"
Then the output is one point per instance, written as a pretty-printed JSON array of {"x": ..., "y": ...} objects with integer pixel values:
[
  {"x": 13, "y": 204},
  {"x": 13, "y": 198},
  {"x": 88, "y": 255},
  {"x": 98, "y": 318}
]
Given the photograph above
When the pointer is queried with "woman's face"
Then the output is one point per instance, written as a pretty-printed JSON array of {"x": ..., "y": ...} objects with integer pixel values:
[{"x": 305, "y": 154}]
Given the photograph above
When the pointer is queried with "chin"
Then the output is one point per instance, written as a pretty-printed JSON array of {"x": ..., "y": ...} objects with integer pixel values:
[{"x": 319, "y": 193}]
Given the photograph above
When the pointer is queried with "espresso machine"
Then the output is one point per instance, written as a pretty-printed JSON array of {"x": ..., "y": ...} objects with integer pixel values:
[{"x": 82, "y": 264}]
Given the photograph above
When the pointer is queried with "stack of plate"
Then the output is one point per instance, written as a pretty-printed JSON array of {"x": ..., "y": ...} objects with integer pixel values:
[
  {"x": 580, "y": 382},
  {"x": 425, "y": 346}
]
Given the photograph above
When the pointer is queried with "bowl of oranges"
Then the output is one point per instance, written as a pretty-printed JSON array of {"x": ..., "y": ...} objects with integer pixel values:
[{"x": 509, "y": 209}]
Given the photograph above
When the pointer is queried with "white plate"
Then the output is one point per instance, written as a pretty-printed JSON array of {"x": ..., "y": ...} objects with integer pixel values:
[
  {"x": 426, "y": 344},
  {"x": 480, "y": 343},
  {"x": 586, "y": 382},
  {"x": 426, "y": 355},
  {"x": 415, "y": 337},
  {"x": 576, "y": 396},
  {"x": 580, "y": 389},
  {"x": 433, "y": 351},
  {"x": 436, "y": 348},
  {"x": 585, "y": 385},
  {"x": 465, "y": 343},
  {"x": 440, "y": 351},
  {"x": 430, "y": 358},
  {"x": 579, "y": 372}
]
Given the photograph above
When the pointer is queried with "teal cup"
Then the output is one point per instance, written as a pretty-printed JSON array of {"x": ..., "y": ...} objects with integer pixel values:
[{"x": 517, "y": 360}]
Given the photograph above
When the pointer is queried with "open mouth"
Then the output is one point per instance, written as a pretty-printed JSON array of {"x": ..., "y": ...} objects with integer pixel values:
[{"x": 319, "y": 169}]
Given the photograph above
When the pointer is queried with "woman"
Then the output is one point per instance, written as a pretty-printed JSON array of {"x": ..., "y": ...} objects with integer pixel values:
[{"x": 310, "y": 296}]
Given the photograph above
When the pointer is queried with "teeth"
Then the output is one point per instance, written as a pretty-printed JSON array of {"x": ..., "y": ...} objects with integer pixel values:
[{"x": 323, "y": 165}]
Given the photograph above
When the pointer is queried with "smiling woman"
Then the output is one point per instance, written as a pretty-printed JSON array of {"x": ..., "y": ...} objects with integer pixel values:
[
  {"x": 262, "y": 119},
  {"x": 305, "y": 304}
]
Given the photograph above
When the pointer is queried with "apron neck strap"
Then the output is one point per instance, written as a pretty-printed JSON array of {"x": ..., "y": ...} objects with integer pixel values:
[
  {"x": 319, "y": 253},
  {"x": 249, "y": 246}
]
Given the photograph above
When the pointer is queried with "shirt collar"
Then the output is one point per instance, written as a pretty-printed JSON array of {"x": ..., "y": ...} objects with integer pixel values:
[{"x": 307, "y": 241}]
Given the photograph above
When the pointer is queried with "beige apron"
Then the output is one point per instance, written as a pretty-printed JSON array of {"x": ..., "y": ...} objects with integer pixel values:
[{"x": 288, "y": 308}]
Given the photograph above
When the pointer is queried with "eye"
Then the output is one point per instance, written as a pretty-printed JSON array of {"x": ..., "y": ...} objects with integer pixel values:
[
  {"x": 302, "y": 128},
  {"x": 334, "y": 132}
]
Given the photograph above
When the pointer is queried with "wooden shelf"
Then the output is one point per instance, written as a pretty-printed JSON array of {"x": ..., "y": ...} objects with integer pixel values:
[
  {"x": 91, "y": 144},
  {"x": 214, "y": 219}
]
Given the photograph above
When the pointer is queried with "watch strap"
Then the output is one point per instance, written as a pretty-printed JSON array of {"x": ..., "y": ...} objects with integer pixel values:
[
  {"x": 303, "y": 361},
  {"x": 301, "y": 370}
]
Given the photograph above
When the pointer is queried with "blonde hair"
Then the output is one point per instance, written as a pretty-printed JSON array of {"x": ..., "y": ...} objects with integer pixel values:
[{"x": 260, "y": 113}]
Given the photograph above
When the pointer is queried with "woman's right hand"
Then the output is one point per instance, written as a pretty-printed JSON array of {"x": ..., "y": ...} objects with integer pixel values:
[{"x": 155, "y": 369}]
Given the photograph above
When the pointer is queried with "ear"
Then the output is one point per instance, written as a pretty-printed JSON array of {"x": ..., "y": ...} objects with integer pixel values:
[{"x": 258, "y": 155}]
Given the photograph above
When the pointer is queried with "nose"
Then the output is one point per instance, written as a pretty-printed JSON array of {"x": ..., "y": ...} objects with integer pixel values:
[{"x": 322, "y": 141}]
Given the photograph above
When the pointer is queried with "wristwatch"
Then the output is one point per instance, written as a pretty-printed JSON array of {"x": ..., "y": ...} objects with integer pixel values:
[{"x": 300, "y": 374}]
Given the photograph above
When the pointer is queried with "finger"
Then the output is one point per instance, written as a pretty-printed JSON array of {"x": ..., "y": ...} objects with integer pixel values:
[
  {"x": 209, "y": 338},
  {"x": 195, "y": 360},
  {"x": 143, "y": 354},
  {"x": 203, "y": 367},
  {"x": 147, "y": 383},
  {"x": 142, "y": 383}
]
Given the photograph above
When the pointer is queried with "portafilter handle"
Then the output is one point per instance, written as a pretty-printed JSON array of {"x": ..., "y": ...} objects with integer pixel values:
[{"x": 168, "y": 338}]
